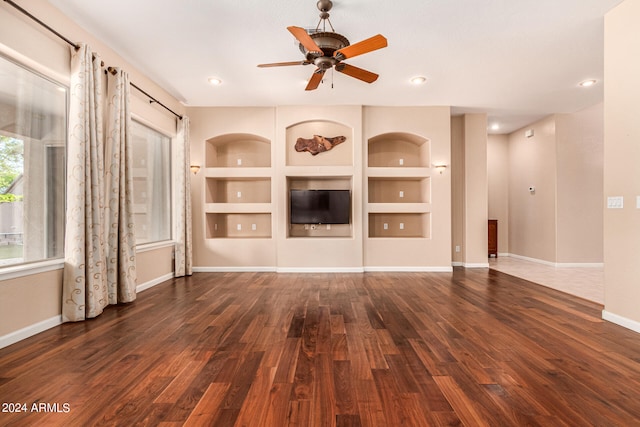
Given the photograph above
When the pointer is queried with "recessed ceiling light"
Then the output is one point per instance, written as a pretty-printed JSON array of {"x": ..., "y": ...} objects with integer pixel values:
[
  {"x": 495, "y": 126},
  {"x": 215, "y": 81},
  {"x": 418, "y": 80},
  {"x": 588, "y": 83}
]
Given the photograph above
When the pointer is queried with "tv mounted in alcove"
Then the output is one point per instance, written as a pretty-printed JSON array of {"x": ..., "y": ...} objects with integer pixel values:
[{"x": 320, "y": 206}]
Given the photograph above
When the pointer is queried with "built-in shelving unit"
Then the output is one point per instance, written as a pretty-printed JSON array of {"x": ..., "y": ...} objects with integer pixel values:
[
  {"x": 398, "y": 177},
  {"x": 238, "y": 179}
]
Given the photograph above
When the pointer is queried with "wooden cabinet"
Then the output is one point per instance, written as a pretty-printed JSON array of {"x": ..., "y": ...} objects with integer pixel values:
[{"x": 493, "y": 237}]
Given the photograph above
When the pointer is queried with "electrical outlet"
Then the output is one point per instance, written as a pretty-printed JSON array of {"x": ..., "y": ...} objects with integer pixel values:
[
  {"x": 239, "y": 227},
  {"x": 254, "y": 227},
  {"x": 239, "y": 194},
  {"x": 401, "y": 194},
  {"x": 385, "y": 226},
  {"x": 239, "y": 162},
  {"x": 401, "y": 162},
  {"x": 457, "y": 248},
  {"x": 328, "y": 226},
  {"x": 402, "y": 226}
]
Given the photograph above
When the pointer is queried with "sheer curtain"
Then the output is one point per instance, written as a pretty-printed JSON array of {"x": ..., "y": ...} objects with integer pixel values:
[
  {"x": 84, "y": 290},
  {"x": 119, "y": 225},
  {"x": 183, "y": 255},
  {"x": 99, "y": 238}
]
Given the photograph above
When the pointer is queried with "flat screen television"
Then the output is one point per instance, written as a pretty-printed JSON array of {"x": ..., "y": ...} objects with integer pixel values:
[{"x": 320, "y": 206}]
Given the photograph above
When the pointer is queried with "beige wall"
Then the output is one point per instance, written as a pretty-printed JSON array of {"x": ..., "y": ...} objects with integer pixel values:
[
  {"x": 211, "y": 122},
  {"x": 469, "y": 190},
  {"x": 476, "y": 190},
  {"x": 621, "y": 171},
  {"x": 433, "y": 124},
  {"x": 580, "y": 140},
  {"x": 32, "y": 299},
  {"x": 498, "y": 174},
  {"x": 561, "y": 221},
  {"x": 532, "y": 215},
  {"x": 457, "y": 189}
]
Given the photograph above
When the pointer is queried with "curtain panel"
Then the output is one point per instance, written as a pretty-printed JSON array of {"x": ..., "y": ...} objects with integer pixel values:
[
  {"x": 119, "y": 226},
  {"x": 99, "y": 236},
  {"x": 84, "y": 291},
  {"x": 183, "y": 246}
]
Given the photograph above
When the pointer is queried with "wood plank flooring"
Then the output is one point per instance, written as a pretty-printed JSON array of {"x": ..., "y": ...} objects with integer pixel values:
[{"x": 472, "y": 347}]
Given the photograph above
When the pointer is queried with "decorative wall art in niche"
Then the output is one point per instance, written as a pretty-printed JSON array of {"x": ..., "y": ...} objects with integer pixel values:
[{"x": 318, "y": 144}]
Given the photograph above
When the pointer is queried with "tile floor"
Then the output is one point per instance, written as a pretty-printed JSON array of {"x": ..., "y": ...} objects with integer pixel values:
[{"x": 584, "y": 282}]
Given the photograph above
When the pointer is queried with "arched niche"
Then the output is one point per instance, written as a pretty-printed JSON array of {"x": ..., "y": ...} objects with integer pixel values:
[
  {"x": 238, "y": 150},
  {"x": 340, "y": 155},
  {"x": 398, "y": 149}
]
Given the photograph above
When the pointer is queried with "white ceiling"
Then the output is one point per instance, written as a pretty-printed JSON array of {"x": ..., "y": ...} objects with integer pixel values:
[{"x": 517, "y": 60}]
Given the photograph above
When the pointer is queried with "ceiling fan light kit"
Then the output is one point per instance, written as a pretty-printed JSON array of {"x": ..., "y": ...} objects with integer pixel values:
[{"x": 327, "y": 50}]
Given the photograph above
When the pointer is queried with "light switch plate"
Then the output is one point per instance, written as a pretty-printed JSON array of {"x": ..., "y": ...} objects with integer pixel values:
[
  {"x": 637, "y": 202},
  {"x": 616, "y": 202}
]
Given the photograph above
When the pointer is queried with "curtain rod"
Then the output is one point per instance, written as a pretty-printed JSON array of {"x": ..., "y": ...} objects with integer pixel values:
[{"x": 24, "y": 12}]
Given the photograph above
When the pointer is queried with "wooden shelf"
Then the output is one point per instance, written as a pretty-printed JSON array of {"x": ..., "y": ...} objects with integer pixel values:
[
  {"x": 238, "y": 225},
  {"x": 406, "y": 225}
]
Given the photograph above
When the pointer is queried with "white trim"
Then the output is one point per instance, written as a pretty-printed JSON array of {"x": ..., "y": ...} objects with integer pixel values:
[
  {"x": 559, "y": 264},
  {"x": 409, "y": 269},
  {"x": 146, "y": 247},
  {"x": 320, "y": 270},
  {"x": 457, "y": 264},
  {"x": 15, "y": 271},
  {"x": 622, "y": 321},
  {"x": 580, "y": 264},
  {"x": 475, "y": 265},
  {"x": 234, "y": 269},
  {"x": 29, "y": 331},
  {"x": 154, "y": 282}
]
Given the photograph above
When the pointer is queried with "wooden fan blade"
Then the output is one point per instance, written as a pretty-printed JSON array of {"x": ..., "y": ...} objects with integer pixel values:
[
  {"x": 372, "y": 43},
  {"x": 283, "y": 64},
  {"x": 315, "y": 79},
  {"x": 358, "y": 73},
  {"x": 305, "y": 39}
]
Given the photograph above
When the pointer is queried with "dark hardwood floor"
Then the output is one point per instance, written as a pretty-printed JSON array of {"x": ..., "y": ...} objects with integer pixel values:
[{"x": 473, "y": 348}]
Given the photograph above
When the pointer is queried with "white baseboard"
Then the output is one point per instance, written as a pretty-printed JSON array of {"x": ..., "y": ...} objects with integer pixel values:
[
  {"x": 320, "y": 270},
  {"x": 154, "y": 282},
  {"x": 475, "y": 265},
  {"x": 395, "y": 269},
  {"x": 234, "y": 269},
  {"x": 558, "y": 264},
  {"x": 31, "y": 330},
  {"x": 622, "y": 321}
]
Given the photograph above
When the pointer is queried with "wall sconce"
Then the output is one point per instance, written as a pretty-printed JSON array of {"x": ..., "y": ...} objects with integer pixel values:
[
  {"x": 194, "y": 168},
  {"x": 440, "y": 167}
]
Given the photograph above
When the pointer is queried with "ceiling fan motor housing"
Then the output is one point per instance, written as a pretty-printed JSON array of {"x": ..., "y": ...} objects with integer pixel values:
[{"x": 327, "y": 41}]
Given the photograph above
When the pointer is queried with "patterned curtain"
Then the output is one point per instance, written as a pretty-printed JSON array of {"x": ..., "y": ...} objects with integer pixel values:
[
  {"x": 183, "y": 257},
  {"x": 99, "y": 236},
  {"x": 119, "y": 226},
  {"x": 84, "y": 290}
]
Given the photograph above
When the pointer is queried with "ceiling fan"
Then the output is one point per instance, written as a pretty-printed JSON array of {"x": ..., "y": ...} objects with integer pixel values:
[{"x": 327, "y": 49}]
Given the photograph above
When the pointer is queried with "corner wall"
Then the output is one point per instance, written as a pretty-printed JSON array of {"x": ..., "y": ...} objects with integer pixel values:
[{"x": 621, "y": 171}]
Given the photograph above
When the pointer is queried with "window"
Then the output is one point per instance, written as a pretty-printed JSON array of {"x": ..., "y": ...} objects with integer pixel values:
[
  {"x": 151, "y": 184},
  {"x": 32, "y": 165}
]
